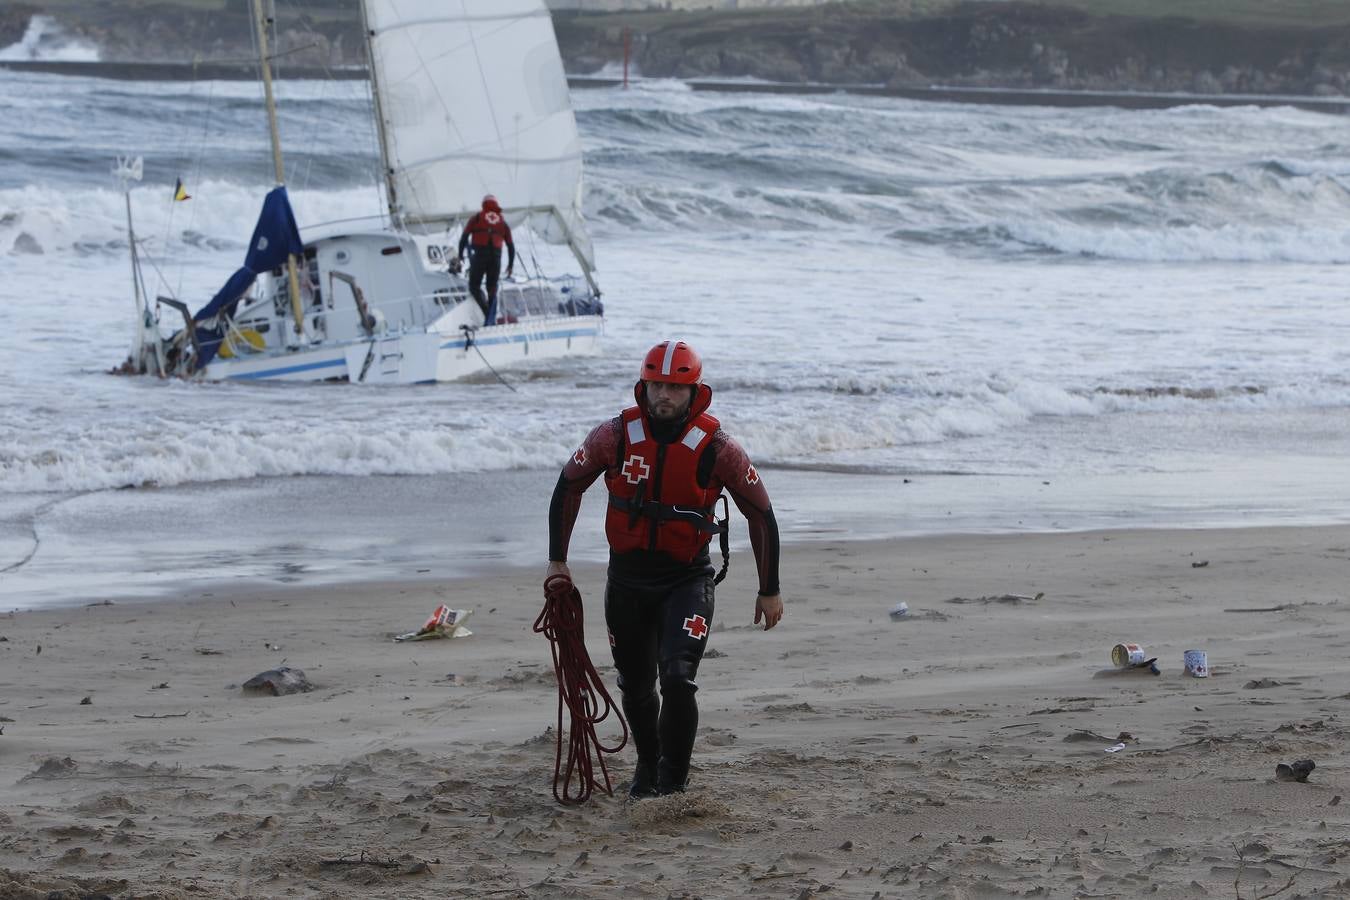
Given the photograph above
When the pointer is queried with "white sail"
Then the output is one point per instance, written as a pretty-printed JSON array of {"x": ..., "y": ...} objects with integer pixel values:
[{"x": 473, "y": 100}]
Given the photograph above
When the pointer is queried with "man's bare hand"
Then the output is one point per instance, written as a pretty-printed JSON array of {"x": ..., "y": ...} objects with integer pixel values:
[
  {"x": 560, "y": 568},
  {"x": 770, "y": 609}
]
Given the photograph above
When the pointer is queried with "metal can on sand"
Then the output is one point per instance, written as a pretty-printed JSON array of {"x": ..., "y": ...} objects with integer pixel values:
[
  {"x": 1196, "y": 663},
  {"x": 1125, "y": 655}
]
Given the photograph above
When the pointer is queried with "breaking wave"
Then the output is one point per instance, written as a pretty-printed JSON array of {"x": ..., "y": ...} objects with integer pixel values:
[
  {"x": 1160, "y": 186},
  {"x": 847, "y": 415},
  {"x": 45, "y": 39},
  {"x": 869, "y": 279}
]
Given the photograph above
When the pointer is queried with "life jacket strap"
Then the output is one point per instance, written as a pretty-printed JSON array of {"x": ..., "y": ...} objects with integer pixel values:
[
  {"x": 636, "y": 507},
  {"x": 723, "y": 537}
]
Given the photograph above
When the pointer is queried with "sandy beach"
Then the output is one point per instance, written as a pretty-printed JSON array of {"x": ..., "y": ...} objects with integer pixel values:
[{"x": 958, "y": 752}]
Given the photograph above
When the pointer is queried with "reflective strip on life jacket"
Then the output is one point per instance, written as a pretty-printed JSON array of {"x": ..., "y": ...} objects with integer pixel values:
[{"x": 636, "y": 432}]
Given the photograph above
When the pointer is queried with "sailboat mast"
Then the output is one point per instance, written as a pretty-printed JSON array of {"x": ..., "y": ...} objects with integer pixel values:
[
  {"x": 394, "y": 216},
  {"x": 259, "y": 20},
  {"x": 137, "y": 293}
]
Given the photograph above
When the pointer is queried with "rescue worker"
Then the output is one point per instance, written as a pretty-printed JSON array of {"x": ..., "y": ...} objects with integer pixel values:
[
  {"x": 665, "y": 462},
  {"x": 483, "y": 236}
]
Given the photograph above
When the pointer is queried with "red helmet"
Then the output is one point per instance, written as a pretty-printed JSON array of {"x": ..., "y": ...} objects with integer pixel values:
[
  {"x": 674, "y": 362},
  {"x": 490, "y": 202}
]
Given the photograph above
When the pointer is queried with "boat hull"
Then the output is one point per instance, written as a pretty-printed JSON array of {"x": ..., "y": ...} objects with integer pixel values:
[{"x": 419, "y": 357}]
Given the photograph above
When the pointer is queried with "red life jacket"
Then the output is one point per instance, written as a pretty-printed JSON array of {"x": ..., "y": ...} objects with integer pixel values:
[
  {"x": 655, "y": 502},
  {"x": 488, "y": 227}
]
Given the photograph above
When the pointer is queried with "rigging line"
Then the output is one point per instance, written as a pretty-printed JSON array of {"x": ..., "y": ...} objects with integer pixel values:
[
  {"x": 472, "y": 42},
  {"x": 529, "y": 237},
  {"x": 163, "y": 279},
  {"x": 197, "y": 170},
  {"x": 328, "y": 82},
  {"x": 372, "y": 131},
  {"x": 482, "y": 76},
  {"x": 396, "y": 228},
  {"x": 173, "y": 202},
  {"x": 410, "y": 187},
  {"x": 435, "y": 86},
  {"x": 493, "y": 370},
  {"x": 273, "y": 59},
  {"x": 451, "y": 50},
  {"x": 423, "y": 61}
]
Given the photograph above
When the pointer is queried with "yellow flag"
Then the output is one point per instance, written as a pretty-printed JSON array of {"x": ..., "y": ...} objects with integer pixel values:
[{"x": 179, "y": 192}]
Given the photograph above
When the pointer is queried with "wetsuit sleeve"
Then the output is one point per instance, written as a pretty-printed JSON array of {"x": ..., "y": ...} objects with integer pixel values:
[
  {"x": 510, "y": 248},
  {"x": 733, "y": 469},
  {"x": 597, "y": 453},
  {"x": 464, "y": 235}
]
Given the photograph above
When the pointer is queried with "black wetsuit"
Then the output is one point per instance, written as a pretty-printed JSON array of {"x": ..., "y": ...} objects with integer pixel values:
[
  {"x": 659, "y": 611},
  {"x": 485, "y": 262},
  {"x": 483, "y": 237}
]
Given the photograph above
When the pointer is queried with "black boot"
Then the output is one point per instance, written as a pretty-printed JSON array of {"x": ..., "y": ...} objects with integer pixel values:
[
  {"x": 642, "y": 714},
  {"x": 671, "y": 778},
  {"x": 644, "y": 783}
]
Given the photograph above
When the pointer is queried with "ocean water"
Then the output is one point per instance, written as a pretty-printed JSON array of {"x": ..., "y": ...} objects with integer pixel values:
[{"x": 914, "y": 316}]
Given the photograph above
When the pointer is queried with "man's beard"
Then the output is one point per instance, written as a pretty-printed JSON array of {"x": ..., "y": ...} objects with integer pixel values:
[{"x": 671, "y": 418}]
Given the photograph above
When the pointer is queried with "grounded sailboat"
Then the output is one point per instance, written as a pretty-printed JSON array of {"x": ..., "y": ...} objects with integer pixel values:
[{"x": 379, "y": 305}]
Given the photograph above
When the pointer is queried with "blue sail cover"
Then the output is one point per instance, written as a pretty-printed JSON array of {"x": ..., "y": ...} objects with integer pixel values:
[{"x": 274, "y": 238}]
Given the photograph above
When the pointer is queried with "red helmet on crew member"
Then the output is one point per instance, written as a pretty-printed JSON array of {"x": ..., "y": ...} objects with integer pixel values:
[
  {"x": 674, "y": 362},
  {"x": 490, "y": 202}
]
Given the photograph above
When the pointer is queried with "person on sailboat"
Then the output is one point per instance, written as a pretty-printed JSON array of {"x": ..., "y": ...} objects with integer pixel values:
[
  {"x": 483, "y": 236},
  {"x": 665, "y": 462}
]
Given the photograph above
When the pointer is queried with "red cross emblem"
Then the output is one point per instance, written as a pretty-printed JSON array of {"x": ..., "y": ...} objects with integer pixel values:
[
  {"x": 580, "y": 456},
  {"x": 492, "y": 218},
  {"x": 635, "y": 469},
  {"x": 697, "y": 626},
  {"x": 751, "y": 476}
]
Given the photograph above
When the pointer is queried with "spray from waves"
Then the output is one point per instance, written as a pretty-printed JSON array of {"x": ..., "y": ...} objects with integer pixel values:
[
  {"x": 885, "y": 435},
  {"x": 963, "y": 181},
  {"x": 1250, "y": 214},
  {"x": 849, "y": 415},
  {"x": 1188, "y": 243},
  {"x": 45, "y": 39},
  {"x": 168, "y": 453},
  {"x": 51, "y": 220},
  {"x": 1293, "y": 168},
  {"x": 1027, "y": 184},
  {"x": 140, "y": 455},
  {"x": 1033, "y": 396},
  {"x": 1114, "y": 223}
]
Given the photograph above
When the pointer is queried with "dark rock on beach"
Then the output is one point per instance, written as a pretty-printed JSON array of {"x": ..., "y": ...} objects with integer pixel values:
[{"x": 277, "y": 683}]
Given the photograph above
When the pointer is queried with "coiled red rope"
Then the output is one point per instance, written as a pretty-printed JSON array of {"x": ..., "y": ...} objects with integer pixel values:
[{"x": 581, "y": 691}]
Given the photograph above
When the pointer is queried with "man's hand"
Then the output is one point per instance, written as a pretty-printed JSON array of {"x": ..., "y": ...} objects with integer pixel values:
[
  {"x": 509, "y": 270},
  {"x": 560, "y": 568},
  {"x": 770, "y": 609}
]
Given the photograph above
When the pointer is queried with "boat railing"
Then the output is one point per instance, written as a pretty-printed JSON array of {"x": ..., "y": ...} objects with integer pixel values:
[
  {"x": 367, "y": 320},
  {"x": 350, "y": 313},
  {"x": 189, "y": 328},
  {"x": 532, "y": 298}
]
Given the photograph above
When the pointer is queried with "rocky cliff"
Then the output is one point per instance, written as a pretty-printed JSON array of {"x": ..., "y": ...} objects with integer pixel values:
[
  {"x": 975, "y": 44},
  {"x": 1012, "y": 44}
]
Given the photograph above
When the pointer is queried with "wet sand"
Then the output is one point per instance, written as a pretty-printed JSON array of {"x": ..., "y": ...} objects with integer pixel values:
[{"x": 958, "y": 752}]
